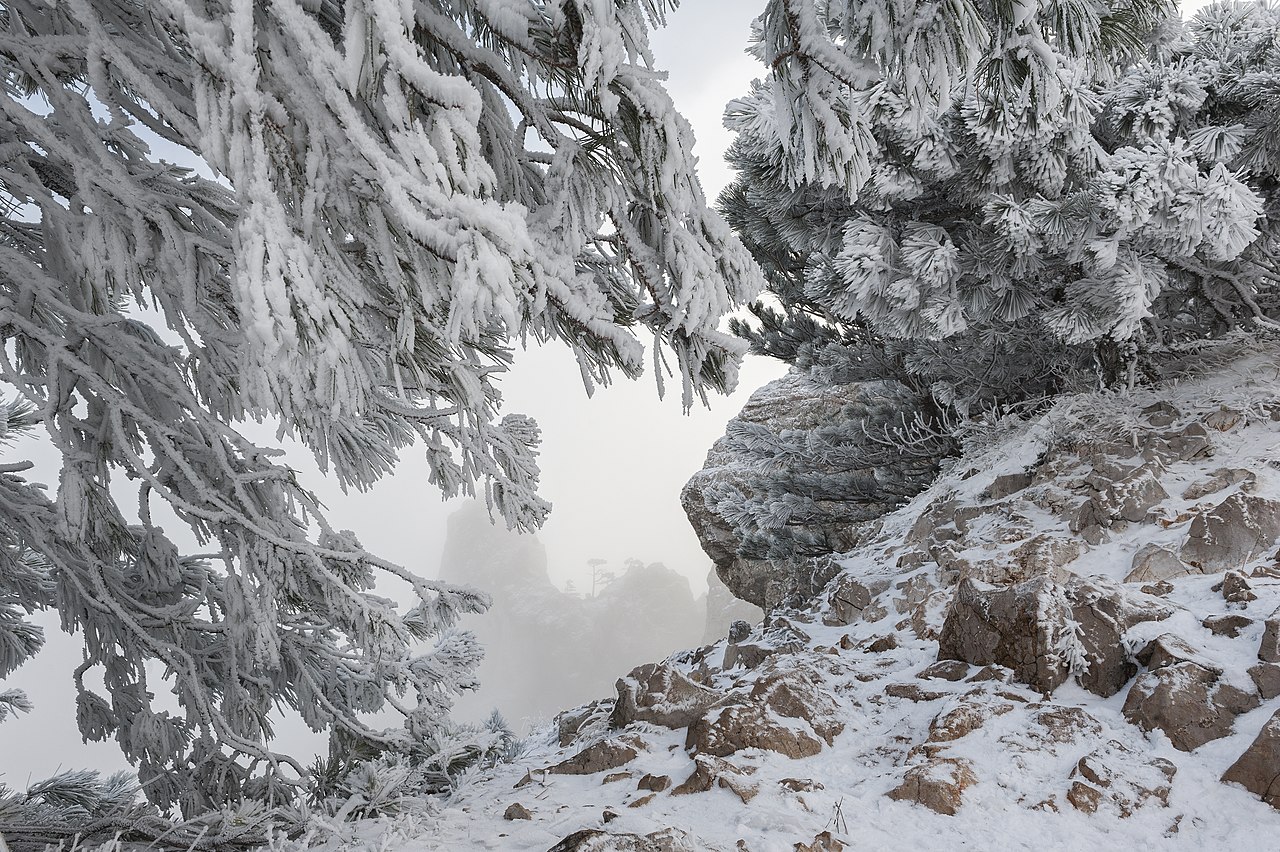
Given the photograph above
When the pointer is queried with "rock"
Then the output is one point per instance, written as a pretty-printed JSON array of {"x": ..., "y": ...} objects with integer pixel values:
[
  {"x": 1153, "y": 563},
  {"x": 661, "y": 695},
  {"x": 642, "y": 801},
  {"x": 1226, "y": 624},
  {"x": 822, "y": 842},
  {"x": 1104, "y": 612},
  {"x": 1258, "y": 769},
  {"x": 1161, "y": 414},
  {"x": 797, "y": 403},
  {"x": 571, "y": 723},
  {"x": 1007, "y": 484},
  {"x": 777, "y": 637},
  {"x": 1168, "y": 649},
  {"x": 938, "y": 784},
  {"x": 784, "y": 712},
  {"x": 952, "y": 670},
  {"x": 879, "y": 644},
  {"x": 912, "y": 692},
  {"x": 515, "y": 810},
  {"x": 1220, "y": 480},
  {"x": 801, "y": 785},
  {"x": 1188, "y": 702},
  {"x": 738, "y": 631},
  {"x": 608, "y": 815},
  {"x": 617, "y": 776},
  {"x": 1235, "y": 589},
  {"x": 965, "y": 718},
  {"x": 1158, "y": 590},
  {"x": 709, "y": 771},
  {"x": 1238, "y": 530},
  {"x": 1269, "y": 649},
  {"x": 1117, "y": 774},
  {"x": 1131, "y": 498},
  {"x": 1266, "y": 676},
  {"x": 595, "y": 840},
  {"x": 848, "y": 598},
  {"x": 1191, "y": 442},
  {"x": 654, "y": 783},
  {"x": 598, "y": 757},
  {"x": 1063, "y": 724},
  {"x": 1018, "y": 626}
]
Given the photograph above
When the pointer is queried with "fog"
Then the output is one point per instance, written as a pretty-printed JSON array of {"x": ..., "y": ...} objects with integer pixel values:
[{"x": 613, "y": 466}]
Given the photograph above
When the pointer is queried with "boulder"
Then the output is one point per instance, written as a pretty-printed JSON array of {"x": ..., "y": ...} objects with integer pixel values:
[
  {"x": 515, "y": 811},
  {"x": 742, "y": 466},
  {"x": 1132, "y": 497},
  {"x": 938, "y": 784},
  {"x": 1188, "y": 702},
  {"x": 1235, "y": 589},
  {"x": 711, "y": 771},
  {"x": 1226, "y": 624},
  {"x": 1258, "y": 769},
  {"x": 1238, "y": 530},
  {"x": 952, "y": 670},
  {"x": 1153, "y": 563},
  {"x": 599, "y": 757},
  {"x": 1220, "y": 480},
  {"x": 661, "y": 695},
  {"x": 1104, "y": 612},
  {"x": 1269, "y": 649},
  {"x": 1019, "y": 627},
  {"x": 1266, "y": 676},
  {"x": 1122, "y": 777},
  {"x": 595, "y": 840},
  {"x": 848, "y": 597},
  {"x": 784, "y": 712}
]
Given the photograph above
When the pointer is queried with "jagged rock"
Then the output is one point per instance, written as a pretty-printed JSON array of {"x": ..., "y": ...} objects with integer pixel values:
[
  {"x": 784, "y": 712},
  {"x": 951, "y": 670},
  {"x": 777, "y": 637},
  {"x": 801, "y": 785},
  {"x": 1161, "y": 414},
  {"x": 1220, "y": 480},
  {"x": 1266, "y": 676},
  {"x": 595, "y": 840},
  {"x": 1235, "y": 589},
  {"x": 1062, "y": 724},
  {"x": 709, "y": 771},
  {"x": 1238, "y": 530},
  {"x": 599, "y": 757},
  {"x": 1269, "y": 648},
  {"x": 938, "y": 784},
  {"x": 661, "y": 695},
  {"x": 1153, "y": 563},
  {"x": 1158, "y": 590},
  {"x": 1191, "y": 442},
  {"x": 1226, "y": 624},
  {"x": 965, "y": 718},
  {"x": 1188, "y": 702},
  {"x": 1132, "y": 497},
  {"x": 515, "y": 810},
  {"x": 617, "y": 776},
  {"x": 1115, "y": 773},
  {"x": 571, "y": 723},
  {"x": 848, "y": 598},
  {"x": 642, "y": 801},
  {"x": 654, "y": 783},
  {"x": 822, "y": 842},
  {"x": 1258, "y": 769},
  {"x": 912, "y": 692},
  {"x": 798, "y": 402},
  {"x": 1018, "y": 626},
  {"x": 1168, "y": 649},
  {"x": 1007, "y": 484},
  {"x": 738, "y": 631},
  {"x": 1104, "y": 612}
]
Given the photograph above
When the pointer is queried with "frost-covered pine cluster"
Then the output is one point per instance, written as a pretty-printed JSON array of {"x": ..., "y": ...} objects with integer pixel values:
[
  {"x": 405, "y": 190},
  {"x": 982, "y": 200}
]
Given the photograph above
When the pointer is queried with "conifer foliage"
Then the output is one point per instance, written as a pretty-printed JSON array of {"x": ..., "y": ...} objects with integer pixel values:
[
  {"x": 404, "y": 189},
  {"x": 980, "y": 198}
]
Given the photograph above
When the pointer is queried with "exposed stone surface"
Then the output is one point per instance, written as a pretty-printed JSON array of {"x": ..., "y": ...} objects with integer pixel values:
[
  {"x": 1235, "y": 589},
  {"x": 965, "y": 718},
  {"x": 1258, "y": 769},
  {"x": 1266, "y": 676},
  {"x": 598, "y": 757},
  {"x": 848, "y": 598},
  {"x": 938, "y": 784},
  {"x": 1017, "y": 626},
  {"x": 1153, "y": 563},
  {"x": 595, "y": 840},
  {"x": 824, "y": 841},
  {"x": 515, "y": 810},
  {"x": 785, "y": 712},
  {"x": 654, "y": 783},
  {"x": 1105, "y": 611},
  {"x": 1188, "y": 702},
  {"x": 1238, "y": 530},
  {"x": 952, "y": 670},
  {"x": 1220, "y": 480},
  {"x": 1132, "y": 497},
  {"x": 1269, "y": 648},
  {"x": 661, "y": 695},
  {"x": 796, "y": 402},
  {"x": 1116, "y": 774},
  {"x": 1226, "y": 624}
]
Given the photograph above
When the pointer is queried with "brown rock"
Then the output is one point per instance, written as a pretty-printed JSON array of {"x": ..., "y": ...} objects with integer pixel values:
[
  {"x": 654, "y": 783},
  {"x": 596, "y": 840},
  {"x": 1018, "y": 626},
  {"x": 822, "y": 842},
  {"x": 938, "y": 784},
  {"x": 801, "y": 785},
  {"x": 598, "y": 757},
  {"x": 965, "y": 718},
  {"x": 1153, "y": 563},
  {"x": 1220, "y": 480},
  {"x": 1007, "y": 484},
  {"x": 1258, "y": 769},
  {"x": 1235, "y": 589},
  {"x": 1226, "y": 624},
  {"x": 1188, "y": 702},
  {"x": 1104, "y": 612},
  {"x": 1133, "y": 497},
  {"x": 1269, "y": 648},
  {"x": 848, "y": 598},
  {"x": 912, "y": 692},
  {"x": 1238, "y": 530},
  {"x": 661, "y": 695},
  {"x": 952, "y": 670},
  {"x": 1084, "y": 797},
  {"x": 515, "y": 810},
  {"x": 642, "y": 801},
  {"x": 1266, "y": 676},
  {"x": 617, "y": 776}
]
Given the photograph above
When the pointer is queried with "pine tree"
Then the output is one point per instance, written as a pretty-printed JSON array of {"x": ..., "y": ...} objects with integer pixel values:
[
  {"x": 402, "y": 191},
  {"x": 985, "y": 200}
]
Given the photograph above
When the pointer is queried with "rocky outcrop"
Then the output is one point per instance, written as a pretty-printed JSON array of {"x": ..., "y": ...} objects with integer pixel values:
[
  {"x": 1258, "y": 769},
  {"x": 784, "y": 712},
  {"x": 1238, "y": 530},
  {"x": 746, "y": 466},
  {"x": 938, "y": 784},
  {"x": 595, "y": 840},
  {"x": 600, "y": 756},
  {"x": 661, "y": 695},
  {"x": 1188, "y": 701}
]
